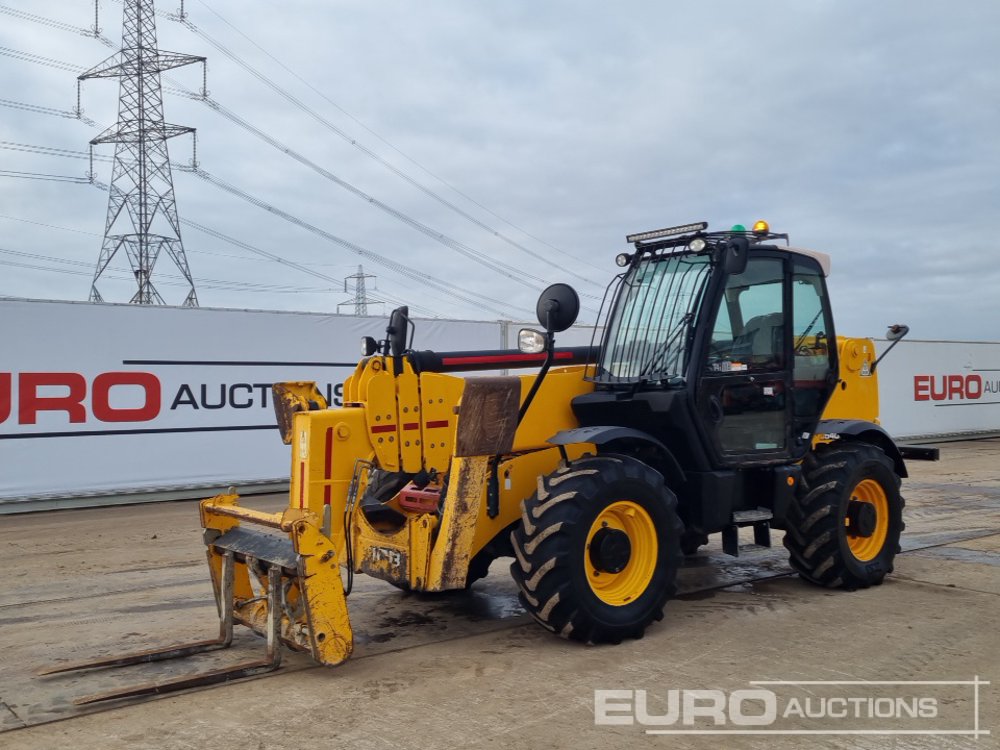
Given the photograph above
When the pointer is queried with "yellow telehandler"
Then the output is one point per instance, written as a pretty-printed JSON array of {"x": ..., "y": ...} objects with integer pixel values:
[{"x": 715, "y": 395}]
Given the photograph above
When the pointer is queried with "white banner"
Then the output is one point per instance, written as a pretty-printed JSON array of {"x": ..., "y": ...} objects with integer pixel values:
[
  {"x": 98, "y": 399},
  {"x": 103, "y": 399},
  {"x": 940, "y": 388}
]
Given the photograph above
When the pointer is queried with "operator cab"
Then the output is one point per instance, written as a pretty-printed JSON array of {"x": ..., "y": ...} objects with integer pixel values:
[{"x": 718, "y": 344}]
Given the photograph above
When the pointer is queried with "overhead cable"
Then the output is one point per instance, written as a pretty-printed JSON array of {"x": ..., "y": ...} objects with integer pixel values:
[
  {"x": 514, "y": 274},
  {"x": 479, "y": 300},
  {"x": 408, "y": 158},
  {"x": 373, "y": 155}
]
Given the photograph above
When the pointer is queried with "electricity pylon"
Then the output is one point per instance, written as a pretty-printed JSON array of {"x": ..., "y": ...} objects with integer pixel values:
[
  {"x": 142, "y": 211},
  {"x": 361, "y": 299}
]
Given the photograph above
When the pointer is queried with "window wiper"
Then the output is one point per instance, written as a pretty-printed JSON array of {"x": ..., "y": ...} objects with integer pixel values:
[
  {"x": 806, "y": 332},
  {"x": 665, "y": 348}
]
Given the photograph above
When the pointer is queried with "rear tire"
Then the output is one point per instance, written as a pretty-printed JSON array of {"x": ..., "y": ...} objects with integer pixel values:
[
  {"x": 843, "y": 531},
  {"x": 598, "y": 549}
]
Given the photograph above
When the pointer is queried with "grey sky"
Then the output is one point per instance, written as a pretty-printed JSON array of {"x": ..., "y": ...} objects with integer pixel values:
[{"x": 865, "y": 130}]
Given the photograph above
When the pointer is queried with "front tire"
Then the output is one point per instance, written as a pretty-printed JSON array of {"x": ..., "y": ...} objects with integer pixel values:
[
  {"x": 598, "y": 549},
  {"x": 844, "y": 530}
]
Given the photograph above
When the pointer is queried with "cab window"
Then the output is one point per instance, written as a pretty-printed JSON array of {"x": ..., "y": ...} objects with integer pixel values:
[
  {"x": 811, "y": 345},
  {"x": 748, "y": 335}
]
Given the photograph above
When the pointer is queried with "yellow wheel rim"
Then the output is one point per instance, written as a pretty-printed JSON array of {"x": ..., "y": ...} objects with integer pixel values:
[
  {"x": 627, "y": 585},
  {"x": 866, "y": 548}
]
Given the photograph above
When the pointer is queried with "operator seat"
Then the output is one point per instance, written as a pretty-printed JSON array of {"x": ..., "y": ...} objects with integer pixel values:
[{"x": 762, "y": 340}]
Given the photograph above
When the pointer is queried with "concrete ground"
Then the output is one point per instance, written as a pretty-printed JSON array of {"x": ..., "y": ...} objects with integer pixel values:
[{"x": 471, "y": 670}]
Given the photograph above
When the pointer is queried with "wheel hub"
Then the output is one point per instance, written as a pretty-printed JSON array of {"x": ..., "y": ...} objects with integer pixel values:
[
  {"x": 610, "y": 550},
  {"x": 862, "y": 518}
]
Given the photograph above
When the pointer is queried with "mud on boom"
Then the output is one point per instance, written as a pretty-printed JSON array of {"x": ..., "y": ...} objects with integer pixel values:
[{"x": 716, "y": 396}]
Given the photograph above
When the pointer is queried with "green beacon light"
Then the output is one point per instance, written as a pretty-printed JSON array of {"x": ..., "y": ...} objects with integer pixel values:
[{"x": 738, "y": 228}]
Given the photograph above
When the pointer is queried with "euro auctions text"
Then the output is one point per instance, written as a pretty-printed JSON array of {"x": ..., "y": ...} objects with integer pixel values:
[{"x": 801, "y": 707}]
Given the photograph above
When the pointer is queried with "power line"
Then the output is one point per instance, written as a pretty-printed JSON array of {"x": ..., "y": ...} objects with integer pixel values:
[
  {"x": 40, "y": 60},
  {"x": 441, "y": 286},
  {"x": 477, "y": 256},
  {"x": 410, "y": 159},
  {"x": 264, "y": 256},
  {"x": 479, "y": 300},
  {"x": 173, "y": 280},
  {"x": 509, "y": 272},
  {"x": 52, "y": 23},
  {"x": 44, "y": 177},
  {"x": 95, "y": 33},
  {"x": 278, "y": 259},
  {"x": 31, "y": 148},
  {"x": 48, "y": 226},
  {"x": 373, "y": 155},
  {"x": 454, "y": 244},
  {"x": 22, "y": 14},
  {"x": 37, "y": 109}
]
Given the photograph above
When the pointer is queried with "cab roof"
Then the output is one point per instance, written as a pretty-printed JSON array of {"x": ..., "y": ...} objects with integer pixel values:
[
  {"x": 822, "y": 258},
  {"x": 682, "y": 237}
]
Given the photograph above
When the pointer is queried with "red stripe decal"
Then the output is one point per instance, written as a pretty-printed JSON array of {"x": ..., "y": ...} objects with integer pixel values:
[
  {"x": 439, "y": 423},
  {"x": 384, "y": 428},
  {"x": 328, "y": 465},
  {"x": 500, "y": 359},
  {"x": 411, "y": 425},
  {"x": 302, "y": 484}
]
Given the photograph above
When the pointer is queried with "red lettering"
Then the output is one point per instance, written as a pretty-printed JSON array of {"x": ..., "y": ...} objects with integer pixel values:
[
  {"x": 925, "y": 387},
  {"x": 956, "y": 386},
  {"x": 101, "y": 401},
  {"x": 971, "y": 380},
  {"x": 943, "y": 393},
  {"x": 30, "y": 403},
  {"x": 4, "y": 396}
]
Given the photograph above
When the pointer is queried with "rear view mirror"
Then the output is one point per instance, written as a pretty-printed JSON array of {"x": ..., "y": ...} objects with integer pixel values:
[
  {"x": 396, "y": 330},
  {"x": 897, "y": 331},
  {"x": 558, "y": 307},
  {"x": 894, "y": 334},
  {"x": 734, "y": 258}
]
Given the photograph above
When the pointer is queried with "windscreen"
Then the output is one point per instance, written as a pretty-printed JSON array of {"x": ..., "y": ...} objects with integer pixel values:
[{"x": 654, "y": 306}]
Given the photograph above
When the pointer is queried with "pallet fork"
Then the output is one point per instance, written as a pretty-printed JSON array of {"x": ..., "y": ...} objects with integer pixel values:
[
  {"x": 270, "y": 662},
  {"x": 298, "y": 599}
]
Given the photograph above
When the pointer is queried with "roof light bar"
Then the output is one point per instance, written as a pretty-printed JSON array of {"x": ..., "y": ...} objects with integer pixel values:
[{"x": 669, "y": 232}]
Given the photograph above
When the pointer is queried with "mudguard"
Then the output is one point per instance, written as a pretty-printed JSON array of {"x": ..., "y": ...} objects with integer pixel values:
[
  {"x": 605, "y": 434},
  {"x": 869, "y": 432}
]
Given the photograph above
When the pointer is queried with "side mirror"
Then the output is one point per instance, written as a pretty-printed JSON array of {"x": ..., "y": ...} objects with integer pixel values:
[
  {"x": 894, "y": 334},
  {"x": 396, "y": 331},
  {"x": 558, "y": 307},
  {"x": 897, "y": 331},
  {"x": 735, "y": 253}
]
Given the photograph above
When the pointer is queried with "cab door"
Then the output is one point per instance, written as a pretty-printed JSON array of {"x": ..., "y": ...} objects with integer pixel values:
[
  {"x": 814, "y": 352},
  {"x": 744, "y": 392}
]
